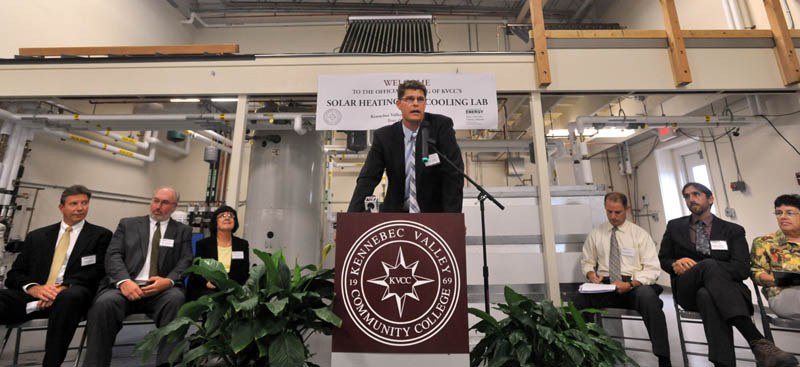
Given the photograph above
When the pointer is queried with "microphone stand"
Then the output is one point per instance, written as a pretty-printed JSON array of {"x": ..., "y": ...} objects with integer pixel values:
[{"x": 482, "y": 196}]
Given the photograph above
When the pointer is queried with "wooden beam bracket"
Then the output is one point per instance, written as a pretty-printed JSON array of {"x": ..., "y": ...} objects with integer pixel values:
[
  {"x": 679, "y": 61},
  {"x": 542, "y": 56},
  {"x": 785, "y": 53}
]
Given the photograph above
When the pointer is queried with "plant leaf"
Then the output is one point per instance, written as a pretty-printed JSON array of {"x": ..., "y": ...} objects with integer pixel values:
[
  {"x": 241, "y": 335},
  {"x": 512, "y": 297},
  {"x": 327, "y": 314},
  {"x": 247, "y": 304},
  {"x": 214, "y": 272},
  {"x": 484, "y": 316},
  {"x": 277, "y": 305},
  {"x": 287, "y": 350},
  {"x": 196, "y": 308}
]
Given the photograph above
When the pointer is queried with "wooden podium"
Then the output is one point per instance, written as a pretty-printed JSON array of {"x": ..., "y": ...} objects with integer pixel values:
[{"x": 401, "y": 290}]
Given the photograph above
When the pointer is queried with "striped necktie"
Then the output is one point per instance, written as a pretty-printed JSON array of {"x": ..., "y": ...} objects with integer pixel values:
[
  {"x": 411, "y": 179},
  {"x": 614, "y": 265},
  {"x": 59, "y": 256}
]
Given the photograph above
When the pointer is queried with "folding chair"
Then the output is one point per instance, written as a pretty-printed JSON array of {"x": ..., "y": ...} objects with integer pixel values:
[
  {"x": 772, "y": 322},
  {"x": 691, "y": 317},
  {"x": 132, "y": 319},
  {"x": 623, "y": 314},
  {"x": 30, "y": 325}
]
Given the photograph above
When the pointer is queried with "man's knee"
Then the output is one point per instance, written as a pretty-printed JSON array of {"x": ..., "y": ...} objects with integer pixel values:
[
  {"x": 646, "y": 295},
  {"x": 173, "y": 297},
  {"x": 73, "y": 296},
  {"x": 108, "y": 300}
]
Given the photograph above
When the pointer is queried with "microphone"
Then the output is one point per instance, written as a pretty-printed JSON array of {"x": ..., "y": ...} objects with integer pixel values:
[
  {"x": 371, "y": 204},
  {"x": 425, "y": 138}
]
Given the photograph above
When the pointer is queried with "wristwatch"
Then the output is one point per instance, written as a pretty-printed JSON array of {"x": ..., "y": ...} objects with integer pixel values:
[{"x": 631, "y": 284}]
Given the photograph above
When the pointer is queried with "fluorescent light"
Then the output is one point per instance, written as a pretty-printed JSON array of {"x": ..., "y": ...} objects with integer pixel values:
[
  {"x": 614, "y": 133},
  {"x": 179, "y": 100},
  {"x": 224, "y": 100},
  {"x": 563, "y": 133}
]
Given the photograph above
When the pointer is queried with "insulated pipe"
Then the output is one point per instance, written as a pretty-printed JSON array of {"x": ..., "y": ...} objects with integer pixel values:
[
  {"x": 218, "y": 136},
  {"x": 298, "y": 125},
  {"x": 118, "y": 137},
  {"x": 182, "y": 151},
  {"x": 16, "y": 144},
  {"x": 726, "y": 8},
  {"x": 207, "y": 140},
  {"x": 736, "y": 14},
  {"x": 25, "y": 135},
  {"x": 95, "y": 144},
  {"x": 651, "y": 122}
]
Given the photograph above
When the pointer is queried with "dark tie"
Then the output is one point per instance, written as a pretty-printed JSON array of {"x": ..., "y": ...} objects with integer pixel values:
[
  {"x": 614, "y": 265},
  {"x": 701, "y": 239},
  {"x": 154, "y": 251}
]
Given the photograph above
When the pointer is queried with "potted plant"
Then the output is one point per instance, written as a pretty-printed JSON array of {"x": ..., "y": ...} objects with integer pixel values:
[
  {"x": 540, "y": 334},
  {"x": 266, "y": 322}
]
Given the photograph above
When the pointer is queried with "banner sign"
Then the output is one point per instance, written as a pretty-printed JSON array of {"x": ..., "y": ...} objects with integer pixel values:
[
  {"x": 367, "y": 101},
  {"x": 401, "y": 283}
]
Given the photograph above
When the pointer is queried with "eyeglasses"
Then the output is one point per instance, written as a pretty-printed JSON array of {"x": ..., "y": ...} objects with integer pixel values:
[
  {"x": 226, "y": 215},
  {"x": 789, "y": 213},
  {"x": 162, "y": 202},
  {"x": 412, "y": 99}
]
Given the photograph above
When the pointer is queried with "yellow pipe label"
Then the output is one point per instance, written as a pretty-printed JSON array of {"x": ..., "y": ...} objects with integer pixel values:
[
  {"x": 105, "y": 146},
  {"x": 80, "y": 140},
  {"x": 222, "y": 116},
  {"x": 129, "y": 140},
  {"x": 708, "y": 118},
  {"x": 76, "y": 117},
  {"x": 123, "y": 151},
  {"x": 108, "y": 131}
]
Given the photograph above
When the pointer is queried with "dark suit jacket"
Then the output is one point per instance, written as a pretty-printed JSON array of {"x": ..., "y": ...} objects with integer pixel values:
[
  {"x": 128, "y": 248},
  {"x": 33, "y": 264},
  {"x": 439, "y": 188},
  {"x": 677, "y": 244},
  {"x": 207, "y": 249}
]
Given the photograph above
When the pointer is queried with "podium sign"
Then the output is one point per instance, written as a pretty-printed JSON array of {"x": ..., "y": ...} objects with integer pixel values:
[{"x": 401, "y": 283}]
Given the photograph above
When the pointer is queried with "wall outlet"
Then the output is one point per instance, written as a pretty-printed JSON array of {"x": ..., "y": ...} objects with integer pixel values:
[
  {"x": 643, "y": 201},
  {"x": 738, "y": 186},
  {"x": 730, "y": 213}
]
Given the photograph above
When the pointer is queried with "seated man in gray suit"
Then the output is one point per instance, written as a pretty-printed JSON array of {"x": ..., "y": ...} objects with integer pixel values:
[{"x": 144, "y": 263}]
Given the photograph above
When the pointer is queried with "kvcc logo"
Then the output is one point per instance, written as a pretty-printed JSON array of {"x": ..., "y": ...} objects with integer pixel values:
[{"x": 400, "y": 282}]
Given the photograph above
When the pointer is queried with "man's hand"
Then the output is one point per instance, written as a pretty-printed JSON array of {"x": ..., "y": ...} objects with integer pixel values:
[
  {"x": 131, "y": 290},
  {"x": 766, "y": 279},
  {"x": 623, "y": 287},
  {"x": 594, "y": 278},
  {"x": 683, "y": 264},
  {"x": 210, "y": 286},
  {"x": 45, "y": 293},
  {"x": 156, "y": 286}
]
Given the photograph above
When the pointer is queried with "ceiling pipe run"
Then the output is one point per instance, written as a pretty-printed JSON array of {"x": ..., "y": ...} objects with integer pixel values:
[{"x": 98, "y": 145}]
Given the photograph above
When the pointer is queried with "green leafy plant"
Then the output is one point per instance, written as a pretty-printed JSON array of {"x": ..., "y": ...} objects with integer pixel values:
[
  {"x": 266, "y": 322},
  {"x": 540, "y": 334}
]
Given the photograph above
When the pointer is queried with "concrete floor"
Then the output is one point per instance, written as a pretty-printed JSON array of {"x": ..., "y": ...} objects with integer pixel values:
[{"x": 131, "y": 334}]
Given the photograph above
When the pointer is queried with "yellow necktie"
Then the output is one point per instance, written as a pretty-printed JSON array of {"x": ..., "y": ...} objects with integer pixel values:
[{"x": 59, "y": 256}]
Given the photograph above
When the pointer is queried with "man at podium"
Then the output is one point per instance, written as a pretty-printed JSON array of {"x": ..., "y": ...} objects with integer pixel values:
[{"x": 418, "y": 183}]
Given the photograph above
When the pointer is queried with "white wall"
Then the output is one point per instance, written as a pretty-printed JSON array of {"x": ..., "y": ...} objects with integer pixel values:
[{"x": 69, "y": 23}]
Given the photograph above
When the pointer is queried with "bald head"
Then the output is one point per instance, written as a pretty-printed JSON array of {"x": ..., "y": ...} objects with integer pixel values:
[{"x": 165, "y": 201}]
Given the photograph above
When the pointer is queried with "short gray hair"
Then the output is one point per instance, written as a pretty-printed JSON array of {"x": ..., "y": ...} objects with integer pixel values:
[{"x": 177, "y": 194}]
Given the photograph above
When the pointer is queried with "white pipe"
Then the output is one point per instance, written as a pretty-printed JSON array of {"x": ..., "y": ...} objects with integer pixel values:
[
  {"x": 736, "y": 14},
  {"x": 193, "y": 16},
  {"x": 218, "y": 136},
  {"x": 298, "y": 125},
  {"x": 788, "y": 13},
  {"x": 15, "y": 145},
  {"x": 670, "y": 121},
  {"x": 5, "y": 115},
  {"x": 118, "y": 137},
  {"x": 207, "y": 140},
  {"x": 182, "y": 151},
  {"x": 24, "y": 136},
  {"x": 95, "y": 144},
  {"x": 726, "y": 8}
]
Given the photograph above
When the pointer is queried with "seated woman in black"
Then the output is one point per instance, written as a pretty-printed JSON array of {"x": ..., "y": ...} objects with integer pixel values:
[{"x": 223, "y": 246}]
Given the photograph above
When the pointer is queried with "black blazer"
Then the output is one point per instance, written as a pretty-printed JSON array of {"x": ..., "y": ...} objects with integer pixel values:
[
  {"x": 33, "y": 264},
  {"x": 207, "y": 249},
  {"x": 735, "y": 260},
  {"x": 128, "y": 248},
  {"x": 439, "y": 188}
]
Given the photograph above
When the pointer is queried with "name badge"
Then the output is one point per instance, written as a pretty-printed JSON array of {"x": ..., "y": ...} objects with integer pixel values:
[
  {"x": 237, "y": 255},
  {"x": 433, "y": 159},
  {"x": 88, "y": 260},
  {"x": 719, "y": 245},
  {"x": 166, "y": 242},
  {"x": 627, "y": 251}
]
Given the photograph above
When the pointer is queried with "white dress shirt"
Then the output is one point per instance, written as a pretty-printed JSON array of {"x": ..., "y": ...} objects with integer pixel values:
[
  {"x": 144, "y": 274},
  {"x": 638, "y": 254},
  {"x": 73, "y": 237}
]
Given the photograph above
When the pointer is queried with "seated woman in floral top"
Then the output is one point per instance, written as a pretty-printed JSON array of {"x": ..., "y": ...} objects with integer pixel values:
[{"x": 780, "y": 251}]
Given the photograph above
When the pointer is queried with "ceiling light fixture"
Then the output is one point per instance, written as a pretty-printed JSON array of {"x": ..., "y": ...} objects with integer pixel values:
[
  {"x": 224, "y": 99},
  {"x": 184, "y": 100}
]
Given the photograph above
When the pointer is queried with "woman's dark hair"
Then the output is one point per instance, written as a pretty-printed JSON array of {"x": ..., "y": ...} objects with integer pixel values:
[
  {"x": 223, "y": 209},
  {"x": 788, "y": 200}
]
